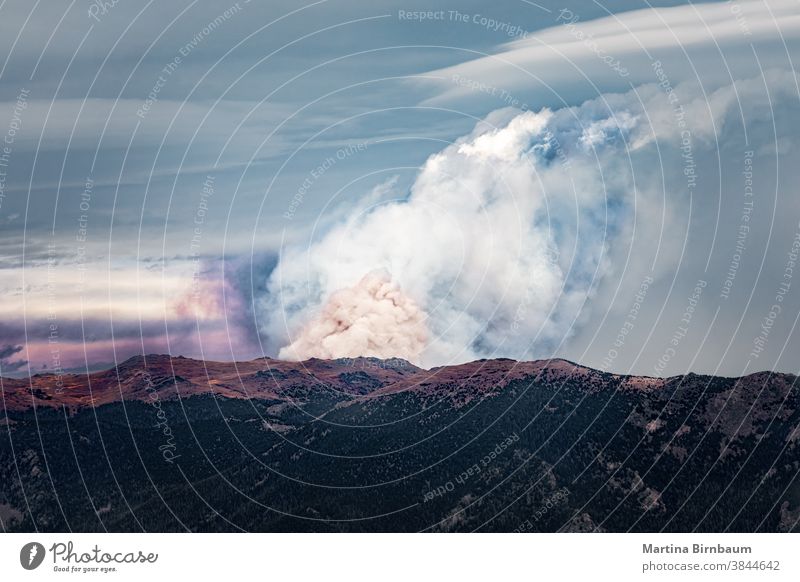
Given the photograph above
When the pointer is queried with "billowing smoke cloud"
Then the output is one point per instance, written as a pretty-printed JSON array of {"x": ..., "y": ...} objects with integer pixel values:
[
  {"x": 505, "y": 234},
  {"x": 473, "y": 244},
  {"x": 373, "y": 318}
]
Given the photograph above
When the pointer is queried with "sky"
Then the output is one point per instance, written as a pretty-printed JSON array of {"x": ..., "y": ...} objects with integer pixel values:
[{"x": 609, "y": 182}]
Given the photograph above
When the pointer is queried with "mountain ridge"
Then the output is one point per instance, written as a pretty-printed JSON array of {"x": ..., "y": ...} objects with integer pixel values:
[
  {"x": 173, "y": 444},
  {"x": 143, "y": 377}
]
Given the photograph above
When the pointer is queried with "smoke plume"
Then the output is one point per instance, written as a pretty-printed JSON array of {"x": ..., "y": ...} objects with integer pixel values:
[
  {"x": 502, "y": 239},
  {"x": 372, "y": 318},
  {"x": 470, "y": 245}
]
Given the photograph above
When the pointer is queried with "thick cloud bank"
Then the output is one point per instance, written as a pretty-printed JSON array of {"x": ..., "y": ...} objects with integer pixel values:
[{"x": 504, "y": 236}]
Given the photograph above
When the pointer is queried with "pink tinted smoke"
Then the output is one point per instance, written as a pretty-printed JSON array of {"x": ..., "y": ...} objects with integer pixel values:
[{"x": 372, "y": 318}]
